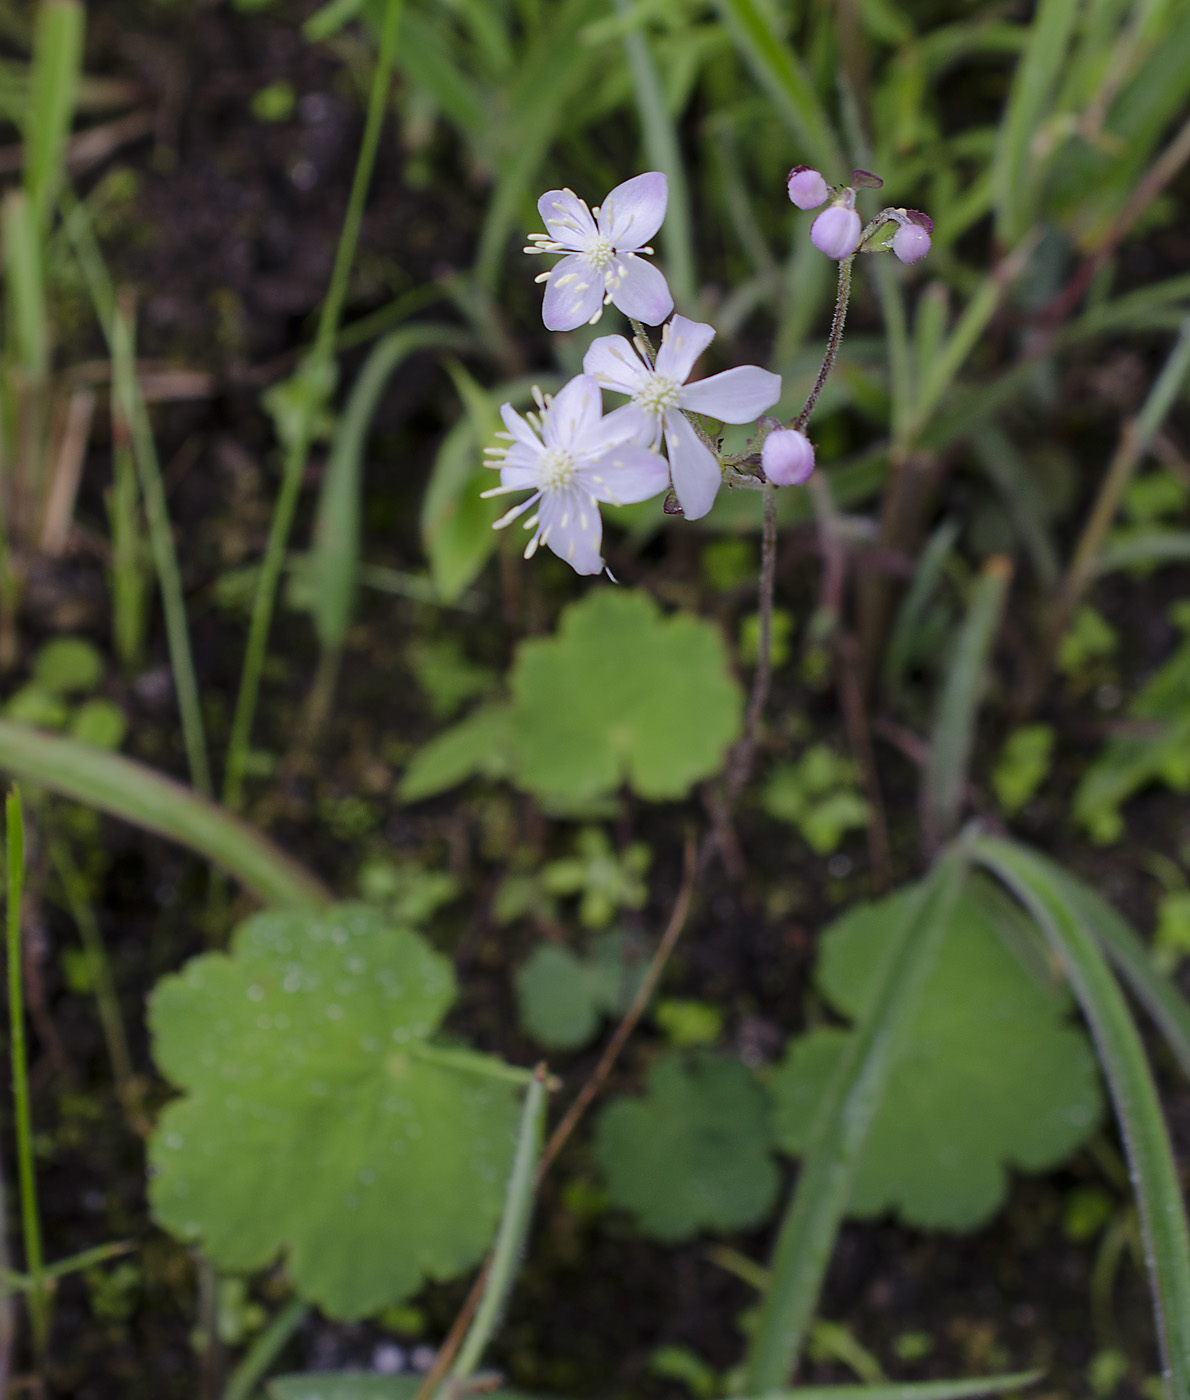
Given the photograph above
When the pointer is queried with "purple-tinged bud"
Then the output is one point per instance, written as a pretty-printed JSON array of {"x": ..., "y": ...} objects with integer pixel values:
[
  {"x": 911, "y": 243},
  {"x": 836, "y": 231},
  {"x": 787, "y": 457},
  {"x": 806, "y": 187}
]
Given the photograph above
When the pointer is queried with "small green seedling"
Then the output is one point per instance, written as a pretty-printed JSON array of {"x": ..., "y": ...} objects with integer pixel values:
[
  {"x": 562, "y": 998},
  {"x": 818, "y": 796},
  {"x": 1022, "y": 766},
  {"x": 1131, "y": 762}
]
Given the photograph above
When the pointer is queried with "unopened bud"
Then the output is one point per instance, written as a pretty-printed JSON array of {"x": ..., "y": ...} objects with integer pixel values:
[
  {"x": 911, "y": 241},
  {"x": 806, "y": 187},
  {"x": 787, "y": 457},
  {"x": 836, "y": 231}
]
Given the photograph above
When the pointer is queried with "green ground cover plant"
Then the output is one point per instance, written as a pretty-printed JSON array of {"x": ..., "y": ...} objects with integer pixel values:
[{"x": 797, "y": 575}]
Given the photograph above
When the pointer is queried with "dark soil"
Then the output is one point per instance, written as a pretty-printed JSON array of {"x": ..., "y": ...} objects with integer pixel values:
[{"x": 228, "y": 239}]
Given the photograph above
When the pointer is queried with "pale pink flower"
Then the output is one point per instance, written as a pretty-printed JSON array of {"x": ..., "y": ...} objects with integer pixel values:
[
  {"x": 603, "y": 246},
  {"x": 807, "y": 189},
  {"x": 571, "y": 458},
  {"x": 836, "y": 231},
  {"x": 660, "y": 394}
]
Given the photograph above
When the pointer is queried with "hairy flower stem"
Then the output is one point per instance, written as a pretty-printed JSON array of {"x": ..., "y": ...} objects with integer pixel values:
[{"x": 832, "y": 344}]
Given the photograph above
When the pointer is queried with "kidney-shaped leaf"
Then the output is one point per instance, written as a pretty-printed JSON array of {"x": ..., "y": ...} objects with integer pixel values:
[
  {"x": 318, "y": 1118},
  {"x": 990, "y": 1072},
  {"x": 694, "y": 1152},
  {"x": 621, "y": 693}
]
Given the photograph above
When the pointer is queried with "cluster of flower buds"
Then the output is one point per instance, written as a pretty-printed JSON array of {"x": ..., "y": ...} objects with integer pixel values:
[{"x": 838, "y": 232}]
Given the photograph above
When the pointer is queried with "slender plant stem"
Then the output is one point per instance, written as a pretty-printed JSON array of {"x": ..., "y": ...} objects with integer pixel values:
[
  {"x": 745, "y": 751},
  {"x": 265, "y": 1350},
  {"x": 39, "y": 1310},
  {"x": 317, "y": 373},
  {"x": 694, "y": 862},
  {"x": 833, "y": 342}
]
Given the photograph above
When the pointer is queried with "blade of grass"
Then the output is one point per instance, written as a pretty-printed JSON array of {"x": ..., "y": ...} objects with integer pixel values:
[
  {"x": 265, "y": 1350},
  {"x": 319, "y": 371},
  {"x": 1150, "y": 1158},
  {"x": 161, "y": 541},
  {"x": 911, "y": 614},
  {"x": 53, "y": 88},
  {"x": 915, "y": 1390},
  {"x": 39, "y": 1301},
  {"x": 72, "y": 1264},
  {"x": 128, "y": 790},
  {"x": 1013, "y": 167},
  {"x": 335, "y": 552},
  {"x": 944, "y": 780},
  {"x": 663, "y": 153},
  {"x": 812, "y": 1219},
  {"x": 1155, "y": 991},
  {"x": 501, "y": 1270},
  {"x": 778, "y": 71}
]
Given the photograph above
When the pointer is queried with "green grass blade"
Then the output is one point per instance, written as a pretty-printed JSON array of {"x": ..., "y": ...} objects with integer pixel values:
[
  {"x": 126, "y": 387},
  {"x": 128, "y": 790},
  {"x": 265, "y": 1349},
  {"x": 319, "y": 374},
  {"x": 57, "y": 64},
  {"x": 914, "y": 1390},
  {"x": 514, "y": 1227},
  {"x": 1155, "y": 992},
  {"x": 920, "y": 594},
  {"x": 335, "y": 553},
  {"x": 944, "y": 780},
  {"x": 1134, "y": 1094},
  {"x": 778, "y": 71},
  {"x": 1013, "y": 178},
  {"x": 24, "y": 279},
  {"x": 823, "y": 1188},
  {"x": 663, "y": 153}
]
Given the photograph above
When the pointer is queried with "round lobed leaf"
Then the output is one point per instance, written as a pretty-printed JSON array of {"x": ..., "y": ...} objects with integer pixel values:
[
  {"x": 990, "y": 1073},
  {"x": 693, "y": 1153},
  {"x": 622, "y": 694},
  {"x": 316, "y": 1116}
]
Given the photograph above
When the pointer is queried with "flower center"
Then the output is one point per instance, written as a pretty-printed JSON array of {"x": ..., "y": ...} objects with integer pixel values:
[
  {"x": 600, "y": 252},
  {"x": 555, "y": 469},
  {"x": 658, "y": 393}
]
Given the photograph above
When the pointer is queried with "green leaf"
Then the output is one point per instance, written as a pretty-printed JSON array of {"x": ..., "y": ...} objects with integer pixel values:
[
  {"x": 1130, "y": 763},
  {"x": 818, "y": 796},
  {"x": 317, "y": 1117},
  {"x": 989, "y": 1074},
  {"x": 693, "y": 1153},
  {"x": 99, "y": 723},
  {"x": 965, "y": 1389},
  {"x": 477, "y": 744},
  {"x": 66, "y": 665},
  {"x": 561, "y": 998},
  {"x": 621, "y": 694},
  {"x": 1022, "y": 766}
]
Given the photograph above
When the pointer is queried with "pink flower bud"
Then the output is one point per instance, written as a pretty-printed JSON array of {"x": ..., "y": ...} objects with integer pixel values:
[
  {"x": 910, "y": 243},
  {"x": 787, "y": 457},
  {"x": 806, "y": 187},
  {"x": 836, "y": 231}
]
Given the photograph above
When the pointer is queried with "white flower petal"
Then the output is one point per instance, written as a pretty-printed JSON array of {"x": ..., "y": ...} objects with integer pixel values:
[
  {"x": 519, "y": 429},
  {"x": 625, "y": 474},
  {"x": 682, "y": 342},
  {"x": 736, "y": 396},
  {"x": 567, "y": 219},
  {"x": 633, "y": 212},
  {"x": 570, "y": 525},
  {"x": 615, "y": 364},
  {"x": 629, "y": 424},
  {"x": 641, "y": 291},
  {"x": 573, "y": 294},
  {"x": 574, "y": 413},
  {"x": 695, "y": 472},
  {"x": 516, "y": 478}
]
